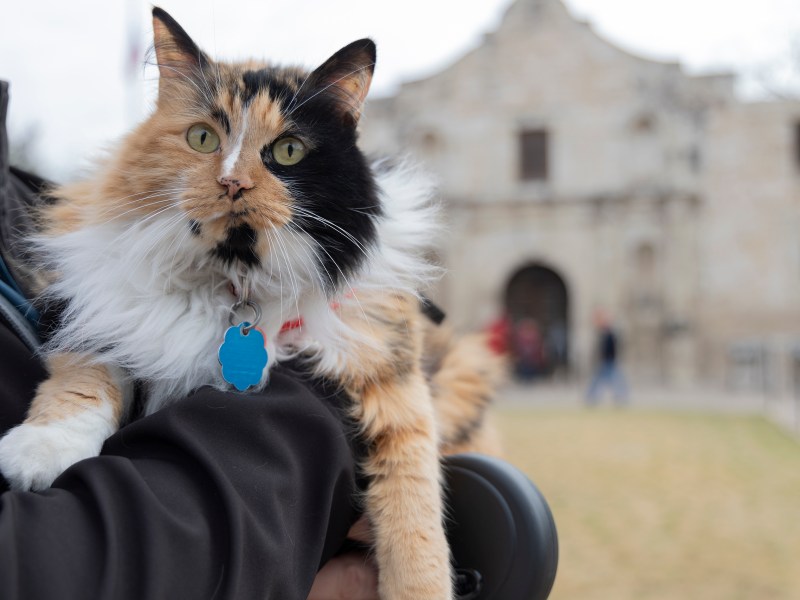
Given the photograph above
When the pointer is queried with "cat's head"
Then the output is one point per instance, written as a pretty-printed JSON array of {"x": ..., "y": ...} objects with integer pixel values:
[{"x": 261, "y": 159}]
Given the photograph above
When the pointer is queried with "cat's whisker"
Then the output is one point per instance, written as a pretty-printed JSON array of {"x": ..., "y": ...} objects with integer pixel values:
[
  {"x": 198, "y": 108},
  {"x": 305, "y": 213},
  {"x": 295, "y": 231},
  {"x": 209, "y": 90},
  {"x": 311, "y": 254},
  {"x": 270, "y": 244},
  {"x": 115, "y": 205},
  {"x": 160, "y": 230},
  {"x": 297, "y": 94},
  {"x": 134, "y": 229},
  {"x": 135, "y": 226},
  {"x": 363, "y": 209},
  {"x": 280, "y": 279},
  {"x": 170, "y": 202},
  {"x": 218, "y": 76},
  {"x": 295, "y": 288},
  {"x": 144, "y": 253},
  {"x": 333, "y": 261},
  {"x": 276, "y": 271},
  {"x": 178, "y": 247},
  {"x": 189, "y": 79},
  {"x": 110, "y": 210},
  {"x": 145, "y": 193},
  {"x": 348, "y": 284}
]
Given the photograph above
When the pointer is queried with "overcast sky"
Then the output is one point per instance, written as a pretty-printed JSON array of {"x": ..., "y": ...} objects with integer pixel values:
[{"x": 66, "y": 59}]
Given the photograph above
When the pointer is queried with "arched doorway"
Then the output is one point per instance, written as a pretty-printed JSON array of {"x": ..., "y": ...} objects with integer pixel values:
[{"x": 537, "y": 305}]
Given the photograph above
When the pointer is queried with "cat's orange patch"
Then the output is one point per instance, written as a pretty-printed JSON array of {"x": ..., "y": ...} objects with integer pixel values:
[
  {"x": 75, "y": 385},
  {"x": 464, "y": 375},
  {"x": 155, "y": 170}
]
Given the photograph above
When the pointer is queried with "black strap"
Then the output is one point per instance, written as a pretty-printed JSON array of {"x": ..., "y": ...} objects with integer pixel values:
[
  {"x": 431, "y": 310},
  {"x": 10, "y": 314}
]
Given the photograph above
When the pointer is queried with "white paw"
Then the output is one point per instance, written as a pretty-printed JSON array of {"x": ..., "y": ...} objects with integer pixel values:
[{"x": 33, "y": 455}]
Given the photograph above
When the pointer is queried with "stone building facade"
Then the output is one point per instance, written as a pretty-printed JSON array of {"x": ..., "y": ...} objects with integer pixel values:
[{"x": 576, "y": 176}]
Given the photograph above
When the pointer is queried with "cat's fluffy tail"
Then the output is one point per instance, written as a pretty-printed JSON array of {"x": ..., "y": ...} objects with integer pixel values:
[{"x": 464, "y": 376}]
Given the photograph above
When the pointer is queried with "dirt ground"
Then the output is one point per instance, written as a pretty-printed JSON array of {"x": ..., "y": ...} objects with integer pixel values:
[{"x": 665, "y": 505}]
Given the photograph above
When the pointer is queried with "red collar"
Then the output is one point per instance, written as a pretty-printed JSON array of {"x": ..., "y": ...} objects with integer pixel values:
[{"x": 294, "y": 324}]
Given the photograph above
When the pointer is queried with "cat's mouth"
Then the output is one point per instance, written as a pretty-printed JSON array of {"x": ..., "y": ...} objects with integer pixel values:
[
  {"x": 239, "y": 245},
  {"x": 236, "y": 215}
]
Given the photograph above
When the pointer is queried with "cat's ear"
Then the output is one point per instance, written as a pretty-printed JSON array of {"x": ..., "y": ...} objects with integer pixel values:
[
  {"x": 176, "y": 53},
  {"x": 345, "y": 78}
]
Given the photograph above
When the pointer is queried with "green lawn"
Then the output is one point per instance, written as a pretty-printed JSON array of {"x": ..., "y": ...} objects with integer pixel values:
[{"x": 665, "y": 506}]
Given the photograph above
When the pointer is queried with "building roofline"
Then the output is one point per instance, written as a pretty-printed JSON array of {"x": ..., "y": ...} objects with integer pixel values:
[{"x": 487, "y": 36}]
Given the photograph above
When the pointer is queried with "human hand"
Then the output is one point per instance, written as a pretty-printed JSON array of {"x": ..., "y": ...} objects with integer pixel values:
[{"x": 350, "y": 576}]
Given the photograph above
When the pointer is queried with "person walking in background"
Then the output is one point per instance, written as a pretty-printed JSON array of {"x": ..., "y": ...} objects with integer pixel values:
[
  {"x": 607, "y": 373},
  {"x": 498, "y": 333},
  {"x": 557, "y": 340},
  {"x": 528, "y": 350}
]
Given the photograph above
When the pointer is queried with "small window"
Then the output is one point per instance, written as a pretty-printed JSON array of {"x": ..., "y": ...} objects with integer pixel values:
[{"x": 533, "y": 155}]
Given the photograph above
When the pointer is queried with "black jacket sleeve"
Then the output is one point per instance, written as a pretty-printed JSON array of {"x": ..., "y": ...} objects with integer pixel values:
[{"x": 220, "y": 495}]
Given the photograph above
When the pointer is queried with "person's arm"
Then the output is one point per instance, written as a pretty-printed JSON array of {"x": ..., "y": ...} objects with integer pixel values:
[
  {"x": 220, "y": 495},
  {"x": 352, "y": 575}
]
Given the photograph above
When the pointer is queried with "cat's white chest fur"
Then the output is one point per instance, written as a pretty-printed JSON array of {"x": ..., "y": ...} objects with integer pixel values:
[
  {"x": 159, "y": 312},
  {"x": 146, "y": 297}
]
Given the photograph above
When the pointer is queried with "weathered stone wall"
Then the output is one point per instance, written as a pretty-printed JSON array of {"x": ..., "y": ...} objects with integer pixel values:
[
  {"x": 750, "y": 246},
  {"x": 667, "y": 202}
]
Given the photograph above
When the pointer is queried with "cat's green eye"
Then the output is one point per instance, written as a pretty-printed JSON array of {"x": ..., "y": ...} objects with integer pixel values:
[
  {"x": 202, "y": 138},
  {"x": 288, "y": 151}
]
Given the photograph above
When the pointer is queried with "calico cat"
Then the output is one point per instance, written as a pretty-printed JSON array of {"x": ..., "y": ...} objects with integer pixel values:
[{"x": 243, "y": 207}]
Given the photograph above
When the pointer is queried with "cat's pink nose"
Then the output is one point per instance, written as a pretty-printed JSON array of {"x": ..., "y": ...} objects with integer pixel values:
[{"x": 235, "y": 185}]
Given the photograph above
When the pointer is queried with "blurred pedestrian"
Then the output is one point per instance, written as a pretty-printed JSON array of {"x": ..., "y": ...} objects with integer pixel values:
[
  {"x": 528, "y": 349},
  {"x": 607, "y": 373},
  {"x": 498, "y": 333},
  {"x": 556, "y": 349}
]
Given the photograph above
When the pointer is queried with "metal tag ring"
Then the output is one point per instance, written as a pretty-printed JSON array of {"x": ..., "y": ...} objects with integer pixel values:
[{"x": 256, "y": 310}]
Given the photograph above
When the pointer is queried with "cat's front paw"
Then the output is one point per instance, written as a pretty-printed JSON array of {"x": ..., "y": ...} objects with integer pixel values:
[{"x": 33, "y": 455}]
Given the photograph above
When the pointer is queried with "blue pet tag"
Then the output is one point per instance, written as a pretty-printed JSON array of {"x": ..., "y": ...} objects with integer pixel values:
[{"x": 243, "y": 356}]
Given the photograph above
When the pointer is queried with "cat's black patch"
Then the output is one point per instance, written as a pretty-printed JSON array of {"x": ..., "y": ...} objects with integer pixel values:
[
  {"x": 256, "y": 82},
  {"x": 195, "y": 227},
  {"x": 42, "y": 187},
  {"x": 240, "y": 244},
  {"x": 52, "y": 313},
  {"x": 334, "y": 185},
  {"x": 222, "y": 118}
]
